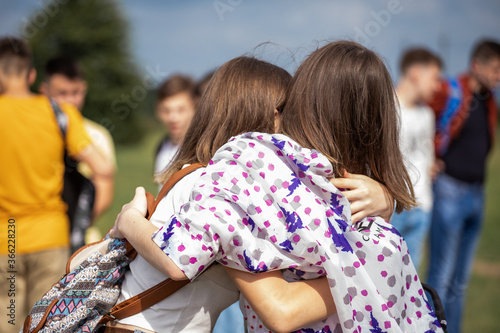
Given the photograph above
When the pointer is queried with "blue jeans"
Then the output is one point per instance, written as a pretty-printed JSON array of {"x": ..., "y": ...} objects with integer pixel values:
[
  {"x": 230, "y": 320},
  {"x": 413, "y": 226},
  {"x": 456, "y": 225}
]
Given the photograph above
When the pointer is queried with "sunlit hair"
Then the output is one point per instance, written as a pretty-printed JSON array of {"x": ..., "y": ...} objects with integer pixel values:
[
  {"x": 241, "y": 97},
  {"x": 342, "y": 103},
  {"x": 15, "y": 56}
]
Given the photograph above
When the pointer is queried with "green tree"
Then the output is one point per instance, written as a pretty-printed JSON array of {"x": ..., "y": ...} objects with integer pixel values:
[{"x": 96, "y": 34}]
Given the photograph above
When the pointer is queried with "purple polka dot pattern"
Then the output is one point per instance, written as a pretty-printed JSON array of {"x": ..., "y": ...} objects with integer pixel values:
[{"x": 264, "y": 203}]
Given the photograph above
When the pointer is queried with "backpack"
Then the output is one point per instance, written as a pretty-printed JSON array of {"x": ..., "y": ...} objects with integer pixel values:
[
  {"x": 84, "y": 299},
  {"x": 451, "y": 110},
  {"x": 78, "y": 191}
]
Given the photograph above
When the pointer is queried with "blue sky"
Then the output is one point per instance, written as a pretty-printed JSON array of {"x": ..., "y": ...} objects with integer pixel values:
[{"x": 196, "y": 36}]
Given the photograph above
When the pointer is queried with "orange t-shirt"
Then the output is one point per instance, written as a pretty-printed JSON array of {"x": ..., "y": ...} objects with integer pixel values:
[{"x": 31, "y": 173}]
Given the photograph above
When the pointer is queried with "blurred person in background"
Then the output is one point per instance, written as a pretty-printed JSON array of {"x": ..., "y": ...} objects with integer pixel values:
[
  {"x": 34, "y": 228},
  {"x": 420, "y": 73},
  {"x": 175, "y": 106},
  {"x": 64, "y": 82},
  {"x": 466, "y": 122}
]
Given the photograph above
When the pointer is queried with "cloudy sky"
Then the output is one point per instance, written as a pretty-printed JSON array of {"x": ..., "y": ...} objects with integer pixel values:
[{"x": 197, "y": 35}]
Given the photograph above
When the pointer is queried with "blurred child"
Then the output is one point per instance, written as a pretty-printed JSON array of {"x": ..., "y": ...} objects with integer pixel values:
[{"x": 174, "y": 108}]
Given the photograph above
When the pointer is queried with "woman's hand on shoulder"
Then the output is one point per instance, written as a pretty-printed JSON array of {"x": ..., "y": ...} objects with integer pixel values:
[
  {"x": 128, "y": 219},
  {"x": 367, "y": 196}
]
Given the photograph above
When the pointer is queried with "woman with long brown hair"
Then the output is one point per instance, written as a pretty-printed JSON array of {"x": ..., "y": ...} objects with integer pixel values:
[{"x": 242, "y": 96}]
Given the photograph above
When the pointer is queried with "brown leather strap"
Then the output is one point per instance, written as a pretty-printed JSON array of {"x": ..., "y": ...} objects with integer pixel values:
[
  {"x": 163, "y": 289},
  {"x": 171, "y": 182},
  {"x": 153, "y": 203},
  {"x": 144, "y": 300},
  {"x": 27, "y": 322}
]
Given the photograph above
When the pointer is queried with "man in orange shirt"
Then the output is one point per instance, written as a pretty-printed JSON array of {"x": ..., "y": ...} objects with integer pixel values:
[{"x": 34, "y": 237}]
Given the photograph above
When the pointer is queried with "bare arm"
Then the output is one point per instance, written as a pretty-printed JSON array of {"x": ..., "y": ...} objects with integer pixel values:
[
  {"x": 99, "y": 164},
  {"x": 367, "y": 196},
  {"x": 285, "y": 306},
  {"x": 104, "y": 187},
  {"x": 103, "y": 171},
  {"x": 132, "y": 225}
]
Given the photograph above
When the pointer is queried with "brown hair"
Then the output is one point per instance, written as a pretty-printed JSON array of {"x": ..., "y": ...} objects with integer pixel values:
[
  {"x": 15, "y": 56},
  {"x": 418, "y": 56},
  {"x": 241, "y": 97},
  {"x": 342, "y": 103},
  {"x": 175, "y": 84},
  {"x": 485, "y": 50}
]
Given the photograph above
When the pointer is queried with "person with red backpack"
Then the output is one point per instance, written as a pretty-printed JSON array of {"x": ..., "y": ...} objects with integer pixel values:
[{"x": 466, "y": 122}]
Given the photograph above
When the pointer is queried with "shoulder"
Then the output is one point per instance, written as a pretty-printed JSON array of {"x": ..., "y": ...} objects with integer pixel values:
[
  {"x": 246, "y": 149},
  {"x": 176, "y": 197},
  {"x": 254, "y": 144},
  {"x": 75, "y": 118},
  {"x": 181, "y": 191},
  {"x": 99, "y": 134},
  {"x": 33, "y": 101},
  {"x": 71, "y": 111},
  {"x": 92, "y": 126}
]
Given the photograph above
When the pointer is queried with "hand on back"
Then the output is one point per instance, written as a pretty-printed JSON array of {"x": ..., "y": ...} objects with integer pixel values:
[{"x": 367, "y": 196}]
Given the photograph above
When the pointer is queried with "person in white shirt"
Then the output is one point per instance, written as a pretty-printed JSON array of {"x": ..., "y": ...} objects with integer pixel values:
[
  {"x": 175, "y": 108},
  {"x": 420, "y": 72}
]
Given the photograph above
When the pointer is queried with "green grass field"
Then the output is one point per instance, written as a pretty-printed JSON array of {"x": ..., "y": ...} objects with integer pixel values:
[{"x": 135, "y": 168}]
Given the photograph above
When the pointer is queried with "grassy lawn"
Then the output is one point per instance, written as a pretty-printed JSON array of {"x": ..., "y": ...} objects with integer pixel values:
[{"x": 135, "y": 168}]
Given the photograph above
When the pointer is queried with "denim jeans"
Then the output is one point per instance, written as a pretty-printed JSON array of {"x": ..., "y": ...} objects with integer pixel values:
[
  {"x": 230, "y": 320},
  {"x": 413, "y": 225},
  {"x": 456, "y": 224}
]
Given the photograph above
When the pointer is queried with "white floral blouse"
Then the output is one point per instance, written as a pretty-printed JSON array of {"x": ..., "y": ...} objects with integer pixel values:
[{"x": 265, "y": 203}]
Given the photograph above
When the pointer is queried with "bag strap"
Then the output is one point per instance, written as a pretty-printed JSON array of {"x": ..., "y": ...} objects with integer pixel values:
[
  {"x": 61, "y": 118},
  {"x": 170, "y": 183},
  {"x": 163, "y": 289},
  {"x": 438, "y": 306},
  {"x": 443, "y": 123},
  {"x": 144, "y": 300}
]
